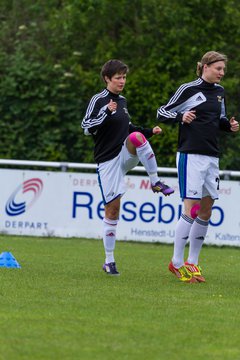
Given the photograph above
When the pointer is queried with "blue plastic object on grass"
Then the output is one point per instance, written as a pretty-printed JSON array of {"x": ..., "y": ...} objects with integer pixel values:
[{"x": 8, "y": 260}]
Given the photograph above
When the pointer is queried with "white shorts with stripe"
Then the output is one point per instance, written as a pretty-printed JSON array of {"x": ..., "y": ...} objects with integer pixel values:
[
  {"x": 198, "y": 176},
  {"x": 111, "y": 174}
]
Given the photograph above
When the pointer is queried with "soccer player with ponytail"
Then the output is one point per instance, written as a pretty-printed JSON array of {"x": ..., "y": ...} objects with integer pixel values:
[{"x": 198, "y": 107}]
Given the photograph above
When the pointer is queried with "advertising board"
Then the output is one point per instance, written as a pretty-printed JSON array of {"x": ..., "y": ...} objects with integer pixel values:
[{"x": 69, "y": 204}]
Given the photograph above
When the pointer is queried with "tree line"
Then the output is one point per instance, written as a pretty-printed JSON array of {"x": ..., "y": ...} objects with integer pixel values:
[{"x": 51, "y": 53}]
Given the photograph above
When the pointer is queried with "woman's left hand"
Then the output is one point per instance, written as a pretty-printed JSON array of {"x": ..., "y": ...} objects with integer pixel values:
[
  {"x": 156, "y": 130},
  {"x": 234, "y": 124}
]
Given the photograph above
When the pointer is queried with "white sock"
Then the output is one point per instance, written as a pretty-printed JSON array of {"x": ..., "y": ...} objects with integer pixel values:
[
  {"x": 182, "y": 231},
  {"x": 196, "y": 238},
  {"x": 109, "y": 238},
  {"x": 147, "y": 158}
]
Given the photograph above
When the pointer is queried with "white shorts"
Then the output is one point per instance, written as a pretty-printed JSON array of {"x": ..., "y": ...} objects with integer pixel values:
[
  {"x": 198, "y": 176},
  {"x": 111, "y": 174}
]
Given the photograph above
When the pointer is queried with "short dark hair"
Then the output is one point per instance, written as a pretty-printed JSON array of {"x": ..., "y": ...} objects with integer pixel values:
[{"x": 112, "y": 67}]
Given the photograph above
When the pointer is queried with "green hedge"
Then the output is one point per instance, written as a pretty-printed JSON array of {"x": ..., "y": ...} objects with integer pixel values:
[{"x": 51, "y": 53}]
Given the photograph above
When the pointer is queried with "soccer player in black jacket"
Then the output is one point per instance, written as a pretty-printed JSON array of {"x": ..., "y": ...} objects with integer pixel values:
[
  {"x": 119, "y": 146},
  {"x": 199, "y": 109}
]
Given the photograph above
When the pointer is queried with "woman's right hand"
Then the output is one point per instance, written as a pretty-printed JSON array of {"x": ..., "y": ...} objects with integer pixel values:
[
  {"x": 112, "y": 105},
  {"x": 189, "y": 116}
]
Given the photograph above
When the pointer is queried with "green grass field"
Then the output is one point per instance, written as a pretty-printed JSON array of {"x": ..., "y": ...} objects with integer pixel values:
[{"x": 61, "y": 305}]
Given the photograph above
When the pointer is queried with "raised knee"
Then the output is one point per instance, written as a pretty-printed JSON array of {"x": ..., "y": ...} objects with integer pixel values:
[{"x": 137, "y": 138}]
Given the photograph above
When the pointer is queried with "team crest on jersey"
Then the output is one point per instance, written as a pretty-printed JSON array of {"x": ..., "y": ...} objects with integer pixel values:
[{"x": 219, "y": 98}]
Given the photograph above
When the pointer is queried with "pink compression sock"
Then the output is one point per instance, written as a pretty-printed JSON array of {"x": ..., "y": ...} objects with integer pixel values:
[
  {"x": 134, "y": 138},
  {"x": 194, "y": 211}
]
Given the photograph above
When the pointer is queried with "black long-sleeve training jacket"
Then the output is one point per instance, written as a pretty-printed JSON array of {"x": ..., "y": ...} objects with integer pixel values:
[
  {"x": 202, "y": 135},
  {"x": 109, "y": 130}
]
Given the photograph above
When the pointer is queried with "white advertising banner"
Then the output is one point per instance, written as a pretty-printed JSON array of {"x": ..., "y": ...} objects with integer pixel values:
[{"x": 65, "y": 204}]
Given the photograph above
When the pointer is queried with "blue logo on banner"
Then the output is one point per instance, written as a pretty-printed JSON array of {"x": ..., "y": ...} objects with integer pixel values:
[{"x": 33, "y": 186}]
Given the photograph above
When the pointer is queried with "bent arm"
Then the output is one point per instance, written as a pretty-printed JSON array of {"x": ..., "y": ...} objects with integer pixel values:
[
  {"x": 95, "y": 116},
  {"x": 147, "y": 132},
  {"x": 173, "y": 111},
  {"x": 185, "y": 100},
  {"x": 224, "y": 123},
  {"x": 166, "y": 115}
]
